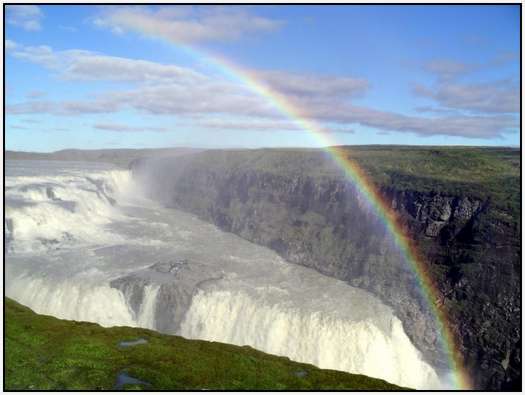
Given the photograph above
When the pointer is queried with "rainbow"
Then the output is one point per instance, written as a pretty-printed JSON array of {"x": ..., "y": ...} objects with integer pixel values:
[{"x": 366, "y": 187}]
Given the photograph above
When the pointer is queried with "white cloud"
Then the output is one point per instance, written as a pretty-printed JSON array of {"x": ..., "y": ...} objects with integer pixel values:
[
  {"x": 470, "y": 126},
  {"x": 114, "y": 127},
  {"x": 41, "y": 54},
  {"x": 447, "y": 69},
  {"x": 261, "y": 125},
  {"x": 9, "y": 45},
  {"x": 177, "y": 102},
  {"x": 35, "y": 94},
  {"x": 312, "y": 84},
  {"x": 27, "y": 17},
  {"x": 186, "y": 24},
  {"x": 90, "y": 66},
  {"x": 490, "y": 97},
  {"x": 500, "y": 96},
  {"x": 206, "y": 98},
  {"x": 249, "y": 124},
  {"x": 159, "y": 89}
]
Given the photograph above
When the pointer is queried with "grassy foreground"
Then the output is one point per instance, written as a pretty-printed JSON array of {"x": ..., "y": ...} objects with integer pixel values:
[{"x": 45, "y": 353}]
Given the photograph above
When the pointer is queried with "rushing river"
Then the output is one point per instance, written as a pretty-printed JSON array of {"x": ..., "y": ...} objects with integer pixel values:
[{"x": 82, "y": 243}]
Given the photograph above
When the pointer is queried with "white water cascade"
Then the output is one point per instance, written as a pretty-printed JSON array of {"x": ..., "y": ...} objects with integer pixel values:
[
  {"x": 375, "y": 346},
  {"x": 83, "y": 244},
  {"x": 146, "y": 317}
]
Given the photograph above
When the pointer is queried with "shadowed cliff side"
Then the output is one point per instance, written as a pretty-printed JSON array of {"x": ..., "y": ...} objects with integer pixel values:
[{"x": 459, "y": 205}]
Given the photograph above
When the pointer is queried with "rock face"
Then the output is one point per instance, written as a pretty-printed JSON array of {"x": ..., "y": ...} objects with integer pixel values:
[
  {"x": 321, "y": 221},
  {"x": 478, "y": 273},
  {"x": 175, "y": 284}
]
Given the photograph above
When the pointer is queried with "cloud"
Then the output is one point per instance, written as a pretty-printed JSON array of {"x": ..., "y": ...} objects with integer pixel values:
[
  {"x": 9, "y": 45},
  {"x": 98, "y": 106},
  {"x": 436, "y": 110},
  {"x": 469, "y": 126},
  {"x": 207, "y": 98},
  {"x": 504, "y": 58},
  {"x": 312, "y": 84},
  {"x": 125, "y": 128},
  {"x": 492, "y": 97},
  {"x": 260, "y": 125},
  {"x": 27, "y": 17},
  {"x": 446, "y": 69},
  {"x": 32, "y": 107},
  {"x": 472, "y": 111},
  {"x": 168, "y": 101},
  {"x": 36, "y": 94},
  {"x": 489, "y": 97},
  {"x": 41, "y": 54},
  {"x": 475, "y": 40},
  {"x": 185, "y": 24},
  {"x": 249, "y": 125},
  {"x": 91, "y": 66}
]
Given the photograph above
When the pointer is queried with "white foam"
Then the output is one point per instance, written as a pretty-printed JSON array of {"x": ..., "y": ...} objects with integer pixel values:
[
  {"x": 72, "y": 300},
  {"x": 146, "y": 316},
  {"x": 47, "y": 212},
  {"x": 359, "y": 346}
]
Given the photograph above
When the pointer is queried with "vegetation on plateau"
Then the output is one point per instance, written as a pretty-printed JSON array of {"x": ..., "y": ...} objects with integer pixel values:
[
  {"x": 46, "y": 353},
  {"x": 484, "y": 173}
]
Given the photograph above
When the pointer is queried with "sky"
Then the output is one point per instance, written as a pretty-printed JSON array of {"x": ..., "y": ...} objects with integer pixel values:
[{"x": 260, "y": 76}]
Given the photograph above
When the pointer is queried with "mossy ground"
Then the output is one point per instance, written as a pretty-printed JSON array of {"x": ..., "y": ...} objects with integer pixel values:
[{"x": 45, "y": 353}]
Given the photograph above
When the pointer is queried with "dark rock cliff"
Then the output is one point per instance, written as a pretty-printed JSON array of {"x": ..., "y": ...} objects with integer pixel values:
[{"x": 304, "y": 209}]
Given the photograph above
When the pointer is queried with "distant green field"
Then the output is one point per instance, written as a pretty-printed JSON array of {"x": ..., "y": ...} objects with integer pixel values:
[
  {"x": 447, "y": 168},
  {"x": 45, "y": 353}
]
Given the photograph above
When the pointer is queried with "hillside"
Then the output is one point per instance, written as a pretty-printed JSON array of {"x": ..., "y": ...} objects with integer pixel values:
[{"x": 45, "y": 353}]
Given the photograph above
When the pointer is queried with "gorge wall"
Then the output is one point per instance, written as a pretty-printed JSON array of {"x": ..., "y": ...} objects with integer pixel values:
[{"x": 298, "y": 203}]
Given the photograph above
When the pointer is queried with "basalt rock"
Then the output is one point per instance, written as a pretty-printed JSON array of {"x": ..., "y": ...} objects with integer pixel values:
[{"x": 173, "y": 296}]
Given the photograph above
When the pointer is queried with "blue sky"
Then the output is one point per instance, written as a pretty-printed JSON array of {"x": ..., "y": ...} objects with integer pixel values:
[{"x": 143, "y": 76}]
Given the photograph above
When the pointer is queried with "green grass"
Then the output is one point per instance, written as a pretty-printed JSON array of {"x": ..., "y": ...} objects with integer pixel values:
[
  {"x": 477, "y": 170},
  {"x": 45, "y": 353}
]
